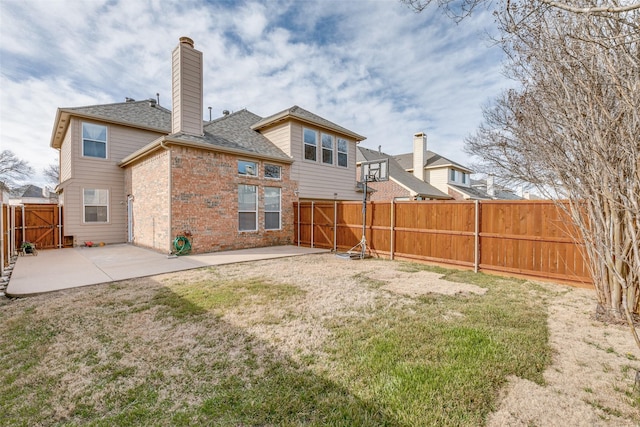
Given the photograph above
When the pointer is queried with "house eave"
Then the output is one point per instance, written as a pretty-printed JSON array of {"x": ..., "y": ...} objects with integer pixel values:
[
  {"x": 286, "y": 115},
  {"x": 160, "y": 142},
  {"x": 64, "y": 115}
]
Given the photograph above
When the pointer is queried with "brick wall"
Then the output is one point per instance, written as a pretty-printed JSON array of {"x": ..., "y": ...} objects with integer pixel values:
[
  {"x": 385, "y": 191},
  {"x": 148, "y": 182},
  {"x": 204, "y": 201}
]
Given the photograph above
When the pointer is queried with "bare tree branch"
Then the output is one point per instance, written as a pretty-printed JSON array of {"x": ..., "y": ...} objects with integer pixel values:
[{"x": 12, "y": 170}]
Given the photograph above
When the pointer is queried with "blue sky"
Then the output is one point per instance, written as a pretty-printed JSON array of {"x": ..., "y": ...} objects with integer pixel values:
[{"x": 374, "y": 67}]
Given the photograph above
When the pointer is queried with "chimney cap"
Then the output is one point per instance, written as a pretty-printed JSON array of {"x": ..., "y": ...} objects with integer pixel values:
[
  {"x": 419, "y": 134},
  {"x": 186, "y": 40}
]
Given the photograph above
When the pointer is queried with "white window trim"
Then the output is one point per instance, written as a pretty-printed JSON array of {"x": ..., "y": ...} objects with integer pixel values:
[
  {"x": 304, "y": 146},
  {"x": 338, "y": 152},
  {"x": 84, "y": 206},
  {"x": 279, "y": 211},
  {"x": 257, "y": 168},
  {"x": 106, "y": 141},
  {"x": 270, "y": 177},
  {"x": 332, "y": 149},
  {"x": 252, "y": 211}
]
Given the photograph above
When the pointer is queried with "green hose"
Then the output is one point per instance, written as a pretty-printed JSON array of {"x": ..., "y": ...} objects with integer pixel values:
[{"x": 181, "y": 245}]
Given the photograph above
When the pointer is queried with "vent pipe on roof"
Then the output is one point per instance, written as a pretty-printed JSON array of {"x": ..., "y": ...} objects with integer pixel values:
[
  {"x": 152, "y": 102},
  {"x": 209, "y": 113},
  {"x": 379, "y": 149},
  {"x": 225, "y": 112},
  {"x": 158, "y": 98},
  {"x": 127, "y": 99}
]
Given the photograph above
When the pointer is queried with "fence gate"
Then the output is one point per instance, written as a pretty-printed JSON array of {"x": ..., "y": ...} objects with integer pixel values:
[
  {"x": 324, "y": 224},
  {"x": 40, "y": 224}
]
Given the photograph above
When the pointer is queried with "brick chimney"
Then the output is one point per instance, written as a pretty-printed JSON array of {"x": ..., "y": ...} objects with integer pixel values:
[
  {"x": 419, "y": 154},
  {"x": 186, "y": 88}
]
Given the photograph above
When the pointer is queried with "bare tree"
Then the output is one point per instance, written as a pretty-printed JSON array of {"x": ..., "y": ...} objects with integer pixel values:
[
  {"x": 572, "y": 127},
  {"x": 52, "y": 173},
  {"x": 12, "y": 170},
  {"x": 459, "y": 9}
]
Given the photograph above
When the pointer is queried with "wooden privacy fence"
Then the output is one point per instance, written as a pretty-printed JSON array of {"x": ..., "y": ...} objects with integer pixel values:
[
  {"x": 529, "y": 238},
  {"x": 36, "y": 223}
]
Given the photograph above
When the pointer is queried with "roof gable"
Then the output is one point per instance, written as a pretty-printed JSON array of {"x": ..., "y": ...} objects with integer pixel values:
[
  {"x": 433, "y": 160},
  {"x": 305, "y": 116}
]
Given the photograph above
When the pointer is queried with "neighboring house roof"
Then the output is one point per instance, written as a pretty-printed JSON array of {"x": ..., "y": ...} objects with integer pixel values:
[
  {"x": 433, "y": 160},
  {"x": 500, "y": 192},
  {"x": 472, "y": 193},
  {"x": 400, "y": 175},
  {"x": 140, "y": 114},
  {"x": 32, "y": 191},
  {"x": 305, "y": 116}
]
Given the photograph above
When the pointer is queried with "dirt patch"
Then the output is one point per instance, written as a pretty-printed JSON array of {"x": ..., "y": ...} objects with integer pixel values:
[
  {"x": 423, "y": 283},
  {"x": 590, "y": 382}
]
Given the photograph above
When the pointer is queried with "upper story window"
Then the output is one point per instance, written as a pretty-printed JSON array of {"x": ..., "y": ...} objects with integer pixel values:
[
  {"x": 272, "y": 171},
  {"x": 247, "y": 168},
  {"x": 452, "y": 175},
  {"x": 310, "y": 138},
  {"x": 96, "y": 205},
  {"x": 465, "y": 178},
  {"x": 327, "y": 149},
  {"x": 342, "y": 152},
  {"x": 94, "y": 140}
]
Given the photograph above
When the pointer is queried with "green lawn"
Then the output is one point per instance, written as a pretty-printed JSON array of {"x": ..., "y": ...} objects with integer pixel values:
[{"x": 213, "y": 349}]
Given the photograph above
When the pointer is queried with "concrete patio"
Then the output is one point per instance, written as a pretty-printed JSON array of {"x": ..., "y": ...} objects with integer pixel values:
[{"x": 57, "y": 269}]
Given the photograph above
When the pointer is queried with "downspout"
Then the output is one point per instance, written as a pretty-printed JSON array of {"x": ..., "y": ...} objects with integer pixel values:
[
  {"x": 24, "y": 227},
  {"x": 335, "y": 226},
  {"x": 60, "y": 242}
]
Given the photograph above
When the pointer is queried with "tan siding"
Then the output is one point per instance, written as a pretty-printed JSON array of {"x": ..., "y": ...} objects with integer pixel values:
[
  {"x": 438, "y": 178},
  {"x": 320, "y": 181},
  {"x": 280, "y": 136},
  {"x": 66, "y": 158},
  {"x": 187, "y": 90},
  {"x": 100, "y": 174}
]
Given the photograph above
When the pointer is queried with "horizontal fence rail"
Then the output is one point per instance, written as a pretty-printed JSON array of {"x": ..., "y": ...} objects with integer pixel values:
[{"x": 525, "y": 238}]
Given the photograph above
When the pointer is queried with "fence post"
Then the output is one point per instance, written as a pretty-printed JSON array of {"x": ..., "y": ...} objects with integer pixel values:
[
  {"x": 476, "y": 245},
  {"x": 60, "y": 242},
  {"x": 335, "y": 226},
  {"x": 393, "y": 226},
  {"x": 298, "y": 222},
  {"x": 312, "y": 212}
]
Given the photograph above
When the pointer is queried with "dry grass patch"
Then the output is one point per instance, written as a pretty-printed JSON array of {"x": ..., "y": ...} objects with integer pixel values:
[{"x": 312, "y": 340}]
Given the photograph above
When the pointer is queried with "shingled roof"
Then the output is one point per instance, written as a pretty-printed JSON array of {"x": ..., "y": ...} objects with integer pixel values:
[
  {"x": 433, "y": 160},
  {"x": 400, "y": 175},
  {"x": 145, "y": 114},
  {"x": 234, "y": 133},
  {"x": 305, "y": 116}
]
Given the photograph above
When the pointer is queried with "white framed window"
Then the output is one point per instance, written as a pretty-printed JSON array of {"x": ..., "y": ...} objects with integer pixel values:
[
  {"x": 94, "y": 140},
  {"x": 95, "y": 204},
  {"x": 272, "y": 171},
  {"x": 343, "y": 149},
  {"x": 247, "y": 208},
  {"x": 272, "y": 208},
  {"x": 327, "y": 148},
  {"x": 452, "y": 175},
  {"x": 247, "y": 168},
  {"x": 465, "y": 178},
  {"x": 310, "y": 138}
]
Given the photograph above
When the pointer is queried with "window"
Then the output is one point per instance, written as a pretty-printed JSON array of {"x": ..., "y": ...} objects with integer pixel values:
[
  {"x": 96, "y": 205},
  {"x": 342, "y": 152},
  {"x": 247, "y": 168},
  {"x": 247, "y": 208},
  {"x": 272, "y": 208},
  {"x": 272, "y": 171},
  {"x": 94, "y": 141},
  {"x": 310, "y": 138},
  {"x": 327, "y": 149},
  {"x": 465, "y": 176},
  {"x": 452, "y": 175}
]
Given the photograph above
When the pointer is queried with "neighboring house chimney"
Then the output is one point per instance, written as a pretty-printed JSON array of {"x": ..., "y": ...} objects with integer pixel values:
[
  {"x": 186, "y": 87},
  {"x": 491, "y": 189},
  {"x": 419, "y": 154}
]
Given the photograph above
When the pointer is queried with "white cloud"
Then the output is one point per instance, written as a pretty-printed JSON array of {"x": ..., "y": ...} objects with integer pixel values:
[{"x": 374, "y": 67}]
